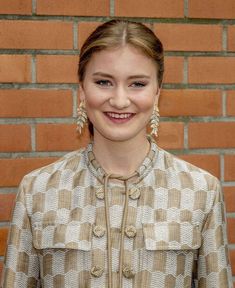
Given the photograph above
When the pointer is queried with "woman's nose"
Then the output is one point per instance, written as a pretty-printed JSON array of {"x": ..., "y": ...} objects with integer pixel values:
[{"x": 120, "y": 98}]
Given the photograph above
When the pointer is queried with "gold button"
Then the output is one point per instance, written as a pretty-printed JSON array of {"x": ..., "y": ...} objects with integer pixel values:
[
  {"x": 130, "y": 231},
  {"x": 100, "y": 193},
  {"x": 99, "y": 231},
  {"x": 134, "y": 193},
  {"x": 97, "y": 271},
  {"x": 128, "y": 272}
]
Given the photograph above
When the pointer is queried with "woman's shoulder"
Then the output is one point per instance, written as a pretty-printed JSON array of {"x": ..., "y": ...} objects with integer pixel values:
[
  {"x": 174, "y": 166},
  {"x": 69, "y": 163}
]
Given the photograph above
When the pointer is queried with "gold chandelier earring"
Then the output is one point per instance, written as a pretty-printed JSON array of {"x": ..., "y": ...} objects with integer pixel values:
[
  {"x": 82, "y": 116},
  {"x": 154, "y": 121}
]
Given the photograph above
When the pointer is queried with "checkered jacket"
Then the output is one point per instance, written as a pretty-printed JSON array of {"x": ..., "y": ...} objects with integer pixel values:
[{"x": 75, "y": 226}]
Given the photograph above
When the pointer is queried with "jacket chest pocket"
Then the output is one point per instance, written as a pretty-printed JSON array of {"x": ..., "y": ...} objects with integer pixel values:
[
  {"x": 64, "y": 236},
  {"x": 170, "y": 252},
  {"x": 171, "y": 236}
]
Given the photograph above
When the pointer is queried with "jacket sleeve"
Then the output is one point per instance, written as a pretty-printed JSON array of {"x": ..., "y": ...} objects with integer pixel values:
[
  {"x": 213, "y": 260},
  {"x": 21, "y": 265}
]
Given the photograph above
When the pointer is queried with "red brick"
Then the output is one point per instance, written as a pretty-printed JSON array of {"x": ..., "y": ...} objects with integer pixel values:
[
  {"x": 174, "y": 67},
  {"x": 15, "y": 68},
  {"x": 85, "y": 29},
  {"x": 190, "y": 103},
  {"x": 229, "y": 164},
  {"x": 3, "y": 240},
  {"x": 189, "y": 37},
  {"x": 6, "y": 204},
  {"x": 21, "y": 7},
  {"x": 31, "y": 103},
  {"x": 59, "y": 137},
  {"x": 219, "y": 9},
  {"x": 231, "y": 230},
  {"x": 15, "y": 138},
  {"x": 232, "y": 259},
  {"x": 171, "y": 135},
  {"x": 57, "y": 69},
  {"x": 210, "y": 163},
  {"x": 211, "y": 135},
  {"x": 159, "y": 9},
  {"x": 229, "y": 196},
  {"x": 73, "y": 7},
  {"x": 13, "y": 170},
  {"x": 25, "y": 35},
  {"x": 231, "y": 103},
  {"x": 231, "y": 38},
  {"x": 211, "y": 70}
]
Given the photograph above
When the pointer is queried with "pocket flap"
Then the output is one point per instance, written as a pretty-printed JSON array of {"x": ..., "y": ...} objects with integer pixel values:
[
  {"x": 171, "y": 236},
  {"x": 71, "y": 236}
]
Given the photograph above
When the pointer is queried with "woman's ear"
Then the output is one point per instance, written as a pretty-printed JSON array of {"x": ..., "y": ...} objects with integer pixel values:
[
  {"x": 157, "y": 95},
  {"x": 81, "y": 92}
]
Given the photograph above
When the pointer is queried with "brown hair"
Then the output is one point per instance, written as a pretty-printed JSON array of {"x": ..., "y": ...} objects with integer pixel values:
[{"x": 117, "y": 33}]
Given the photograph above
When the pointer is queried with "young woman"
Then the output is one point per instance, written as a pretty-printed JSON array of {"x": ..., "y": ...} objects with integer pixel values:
[{"x": 121, "y": 212}]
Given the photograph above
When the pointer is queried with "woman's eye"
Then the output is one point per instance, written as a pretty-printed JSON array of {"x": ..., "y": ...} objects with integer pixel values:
[
  {"x": 138, "y": 84},
  {"x": 103, "y": 82}
]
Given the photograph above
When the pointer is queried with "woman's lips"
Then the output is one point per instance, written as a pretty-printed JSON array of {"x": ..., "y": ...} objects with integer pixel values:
[{"x": 119, "y": 117}]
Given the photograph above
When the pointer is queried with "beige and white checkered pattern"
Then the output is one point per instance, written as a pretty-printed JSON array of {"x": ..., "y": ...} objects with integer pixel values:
[{"x": 175, "y": 232}]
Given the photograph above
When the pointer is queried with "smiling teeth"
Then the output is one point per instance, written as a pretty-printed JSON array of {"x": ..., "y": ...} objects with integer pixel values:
[{"x": 119, "y": 116}]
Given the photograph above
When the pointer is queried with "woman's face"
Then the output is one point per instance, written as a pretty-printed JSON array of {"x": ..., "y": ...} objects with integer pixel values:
[{"x": 120, "y": 89}]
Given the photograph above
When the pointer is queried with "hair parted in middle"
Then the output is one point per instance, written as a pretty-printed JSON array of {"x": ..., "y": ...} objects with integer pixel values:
[{"x": 117, "y": 33}]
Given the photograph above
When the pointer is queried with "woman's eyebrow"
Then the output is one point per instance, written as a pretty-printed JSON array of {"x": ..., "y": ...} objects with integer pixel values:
[{"x": 102, "y": 74}]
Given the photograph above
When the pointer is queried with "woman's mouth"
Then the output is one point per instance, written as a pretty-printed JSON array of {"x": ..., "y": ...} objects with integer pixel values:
[{"x": 119, "y": 117}]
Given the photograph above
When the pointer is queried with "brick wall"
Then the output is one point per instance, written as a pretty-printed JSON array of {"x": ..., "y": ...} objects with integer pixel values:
[{"x": 39, "y": 47}]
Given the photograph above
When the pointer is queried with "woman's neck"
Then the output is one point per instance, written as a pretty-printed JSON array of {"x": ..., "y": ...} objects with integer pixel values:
[{"x": 122, "y": 158}]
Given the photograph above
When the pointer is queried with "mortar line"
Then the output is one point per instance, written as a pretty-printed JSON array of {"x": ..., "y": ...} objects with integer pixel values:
[
  {"x": 224, "y": 103},
  {"x": 224, "y": 38},
  {"x": 75, "y": 35},
  {"x": 112, "y": 8},
  {"x": 34, "y": 7},
  {"x": 185, "y": 8},
  {"x": 75, "y": 102},
  {"x": 185, "y": 72},
  {"x": 33, "y": 137},
  {"x": 34, "y": 69},
  {"x": 186, "y": 135},
  {"x": 222, "y": 167},
  {"x": 8, "y": 190}
]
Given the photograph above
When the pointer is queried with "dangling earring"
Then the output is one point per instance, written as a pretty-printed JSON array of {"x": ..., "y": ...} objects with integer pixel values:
[
  {"x": 154, "y": 121},
  {"x": 82, "y": 116}
]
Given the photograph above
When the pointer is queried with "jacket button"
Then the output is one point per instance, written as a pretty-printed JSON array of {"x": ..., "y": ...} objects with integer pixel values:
[
  {"x": 130, "y": 231},
  {"x": 100, "y": 193},
  {"x": 99, "y": 231},
  {"x": 134, "y": 193},
  {"x": 97, "y": 271},
  {"x": 128, "y": 272}
]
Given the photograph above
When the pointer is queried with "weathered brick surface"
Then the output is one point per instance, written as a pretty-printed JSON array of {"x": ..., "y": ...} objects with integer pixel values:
[
  {"x": 186, "y": 37},
  {"x": 25, "y": 35},
  {"x": 189, "y": 102},
  {"x": 139, "y": 8},
  {"x": 212, "y": 135},
  {"x": 231, "y": 103},
  {"x": 211, "y": 70},
  {"x": 20, "y": 7},
  {"x": 73, "y": 7},
  {"x": 15, "y": 138},
  {"x": 57, "y": 68},
  {"x": 211, "y": 9},
  {"x": 35, "y": 103},
  {"x": 15, "y": 68}
]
